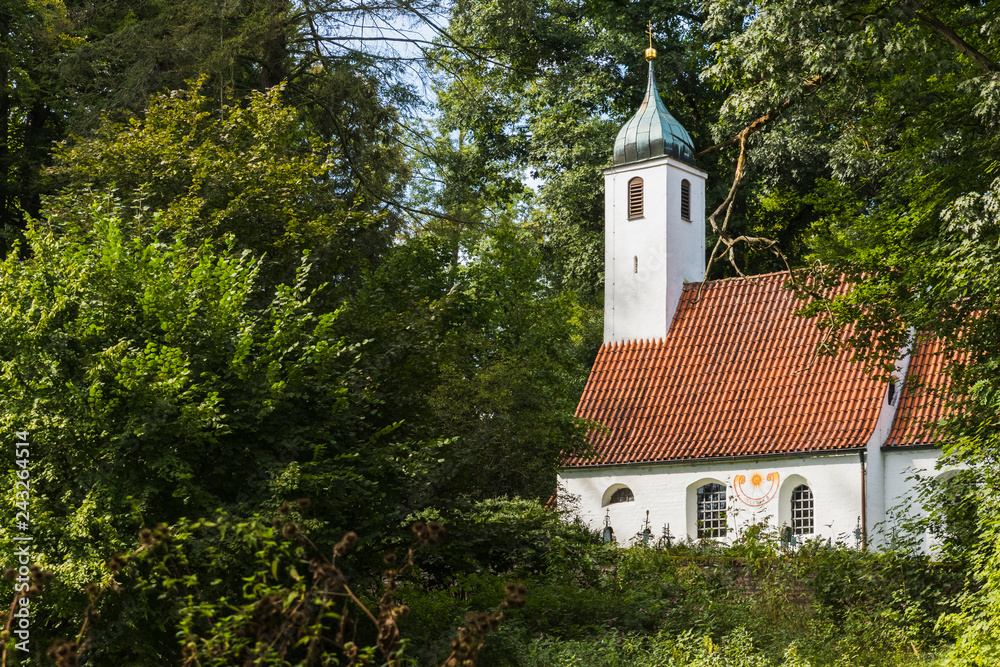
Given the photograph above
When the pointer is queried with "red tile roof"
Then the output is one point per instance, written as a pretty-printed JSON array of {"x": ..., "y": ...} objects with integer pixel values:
[
  {"x": 737, "y": 375},
  {"x": 920, "y": 404}
]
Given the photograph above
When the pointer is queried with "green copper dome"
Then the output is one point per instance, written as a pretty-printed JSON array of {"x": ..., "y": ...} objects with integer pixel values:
[{"x": 653, "y": 132}]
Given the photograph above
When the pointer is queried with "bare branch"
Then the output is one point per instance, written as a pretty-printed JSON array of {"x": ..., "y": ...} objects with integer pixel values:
[
  {"x": 741, "y": 138},
  {"x": 928, "y": 19},
  {"x": 813, "y": 83}
]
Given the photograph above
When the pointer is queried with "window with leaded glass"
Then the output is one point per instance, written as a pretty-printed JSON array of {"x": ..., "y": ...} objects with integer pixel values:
[
  {"x": 622, "y": 495},
  {"x": 802, "y": 510},
  {"x": 712, "y": 511}
]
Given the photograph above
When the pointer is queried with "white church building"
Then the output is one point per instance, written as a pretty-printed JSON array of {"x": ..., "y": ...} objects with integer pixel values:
[{"x": 715, "y": 411}]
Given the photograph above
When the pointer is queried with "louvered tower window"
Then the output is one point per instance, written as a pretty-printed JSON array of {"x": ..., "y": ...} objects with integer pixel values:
[
  {"x": 712, "y": 511},
  {"x": 802, "y": 510},
  {"x": 635, "y": 198},
  {"x": 686, "y": 200}
]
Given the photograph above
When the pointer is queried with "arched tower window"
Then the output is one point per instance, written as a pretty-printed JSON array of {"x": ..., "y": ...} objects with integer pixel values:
[
  {"x": 635, "y": 198},
  {"x": 802, "y": 510},
  {"x": 623, "y": 495},
  {"x": 686, "y": 200},
  {"x": 712, "y": 510}
]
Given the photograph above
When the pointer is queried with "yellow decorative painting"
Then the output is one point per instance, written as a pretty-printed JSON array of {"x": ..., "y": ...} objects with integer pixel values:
[{"x": 756, "y": 492}]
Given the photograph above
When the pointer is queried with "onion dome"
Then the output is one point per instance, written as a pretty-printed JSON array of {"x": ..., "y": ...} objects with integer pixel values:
[{"x": 652, "y": 132}]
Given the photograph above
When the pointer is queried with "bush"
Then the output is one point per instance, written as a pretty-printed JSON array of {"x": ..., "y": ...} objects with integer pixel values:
[{"x": 689, "y": 605}]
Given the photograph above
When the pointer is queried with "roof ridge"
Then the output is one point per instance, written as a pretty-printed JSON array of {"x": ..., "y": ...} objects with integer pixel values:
[
  {"x": 635, "y": 343},
  {"x": 717, "y": 281}
]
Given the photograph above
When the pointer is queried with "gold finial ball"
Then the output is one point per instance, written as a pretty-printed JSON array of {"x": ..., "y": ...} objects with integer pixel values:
[{"x": 650, "y": 53}]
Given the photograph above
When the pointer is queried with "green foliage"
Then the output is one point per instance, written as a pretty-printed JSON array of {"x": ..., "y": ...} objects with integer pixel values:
[
  {"x": 686, "y": 650},
  {"x": 512, "y": 535},
  {"x": 216, "y": 335},
  {"x": 460, "y": 337},
  {"x": 65, "y": 65},
  {"x": 468, "y": 340},
  {"x": 815, "y": 605},
  {"x": 247, "y": 171},
  {"x": 570, "y": 74},
  {"x": 32, "y": 104},
  {"x": 692, "y": 605},
  {"x": 153, "y": 388},
  {"x": 295, "y": 606},
  {"x": 514, "y": 370},
  {"x": 899, "y": 100},
  {"x": 688, "y": 605}
]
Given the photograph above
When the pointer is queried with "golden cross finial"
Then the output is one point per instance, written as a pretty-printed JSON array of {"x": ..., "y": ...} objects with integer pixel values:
[{"x": 650, "y": 52}]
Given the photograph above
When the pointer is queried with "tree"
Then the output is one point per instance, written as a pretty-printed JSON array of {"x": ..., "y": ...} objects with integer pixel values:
[
  {"x": 32, "y": 105},
  {"x": 352, "y": 98},
  {"x": 198, "y": 330},
  {"x": 179, "y": 350},
  {"x": 461, "y": 336},
  {"x": 247, "y": 171},
  {"x": 66, "y": 64},
  {"x": 900, "y": 100},
  {"x": 556, "y": 82},
  {"x": 152, "y": 386},
  {"x": 481, "y": 351}
]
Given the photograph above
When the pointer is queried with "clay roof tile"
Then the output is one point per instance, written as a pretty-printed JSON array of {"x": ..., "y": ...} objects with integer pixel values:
[
  {"x": 736, "y": 375},
  {"x": 921, "y": 403}
]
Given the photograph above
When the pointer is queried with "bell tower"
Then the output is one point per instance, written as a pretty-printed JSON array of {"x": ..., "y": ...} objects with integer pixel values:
[{"x": 654, "y": 212}]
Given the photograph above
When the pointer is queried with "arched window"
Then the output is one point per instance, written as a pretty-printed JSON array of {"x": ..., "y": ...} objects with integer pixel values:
[
  {"x": 686, "y": 200},
  {"x": 622, "y": 495},
  {"x": 712, "y": 510},
  {"x": 635, "y": 198},
  {"x": 802, "y": 510}
]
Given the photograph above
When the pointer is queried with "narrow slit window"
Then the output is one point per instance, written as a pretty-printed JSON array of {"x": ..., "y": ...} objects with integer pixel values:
[
  {"x": 635, "y": 198},
  {"x": 686, "y": 200},
  {"x": 635, "y": 264}
]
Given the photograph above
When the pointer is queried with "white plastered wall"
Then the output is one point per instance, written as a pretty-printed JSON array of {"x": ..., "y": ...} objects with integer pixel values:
[
  {"x": 879, "y": 498},
  {"x": 668, "y": 492},
  {"x": 891, "y": 484},
  {"x": 648, "y": 259},
  {"x": 901, "y": 467}
]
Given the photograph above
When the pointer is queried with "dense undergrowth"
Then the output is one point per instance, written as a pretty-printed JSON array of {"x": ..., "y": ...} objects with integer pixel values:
[
  {"x": 753, "y": 603},
  {"x": 460, "y": 599}
]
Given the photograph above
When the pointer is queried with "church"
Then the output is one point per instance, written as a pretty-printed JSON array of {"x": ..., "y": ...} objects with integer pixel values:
[{"x": 714, "y": 410}]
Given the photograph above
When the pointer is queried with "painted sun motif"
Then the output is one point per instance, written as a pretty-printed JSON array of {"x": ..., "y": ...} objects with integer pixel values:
[{"x": 757, "y": 489}]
